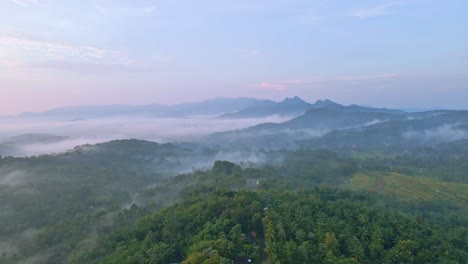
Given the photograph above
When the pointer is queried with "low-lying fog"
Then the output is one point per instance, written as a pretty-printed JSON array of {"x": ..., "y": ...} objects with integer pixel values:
[
  {"x": 445, "y": 133},
  {"x": 91, "y": 131}
]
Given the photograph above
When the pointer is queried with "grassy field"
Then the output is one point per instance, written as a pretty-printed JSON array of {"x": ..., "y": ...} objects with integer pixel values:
[{"x": 408, "y": 188}]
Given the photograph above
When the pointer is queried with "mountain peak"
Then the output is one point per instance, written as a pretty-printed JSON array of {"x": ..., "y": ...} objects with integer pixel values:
[
  {"x": 326, "y": 103},
  {"x": 294, "y": 99}
]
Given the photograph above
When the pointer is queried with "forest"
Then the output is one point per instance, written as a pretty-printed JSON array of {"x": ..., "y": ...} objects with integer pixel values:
[
  {"x": 212, "y": 223},
  {"x": 316, "y": 206}
]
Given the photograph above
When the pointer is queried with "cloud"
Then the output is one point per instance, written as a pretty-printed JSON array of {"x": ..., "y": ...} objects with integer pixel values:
[
  {"x": 273, "y": 86},
  {"x": 113, "y": 10},
  {"x": 56, "y": 147},
  {"x": 24, "y": 46},
  {"x": 446, "y": 133},
  {"x": 13, "y": 178},
  {"x": 23, "y": 52},
  {"x": 25, "y": 2},
  {"x": 104, "y": 129},
  {"x": 374, "y": 11},
  {"x": 87, "y": 67}
]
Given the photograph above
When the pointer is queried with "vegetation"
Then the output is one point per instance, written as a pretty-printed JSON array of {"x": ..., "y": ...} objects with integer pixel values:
[
  {"x": 119, "y": 203},
  {"x": 273, "y": 225},
  {"x": 410, "y": 188}
]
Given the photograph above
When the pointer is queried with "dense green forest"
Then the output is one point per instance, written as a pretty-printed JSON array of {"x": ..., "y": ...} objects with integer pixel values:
[
  {"x": 268, "y": 223},
  {"x": 120, "y": 202}
]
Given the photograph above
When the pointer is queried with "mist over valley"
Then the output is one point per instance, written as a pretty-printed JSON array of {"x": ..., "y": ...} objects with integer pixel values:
[
  {"x": 233, "y": 132},
  {"x": 109, "y": 171}
]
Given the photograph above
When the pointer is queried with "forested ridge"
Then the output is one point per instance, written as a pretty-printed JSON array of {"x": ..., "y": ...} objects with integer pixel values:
[
  {"x": 215, "y": 224},
  {"x": 118, "y": 203}
]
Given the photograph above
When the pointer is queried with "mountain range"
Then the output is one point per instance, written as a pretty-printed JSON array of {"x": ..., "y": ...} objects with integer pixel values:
[
  {"x": 323, "y": 124},
  {"x": 211, "y": 107},
  {"x": 352, "y": 127},
  {"x": 223, "y": 108}
]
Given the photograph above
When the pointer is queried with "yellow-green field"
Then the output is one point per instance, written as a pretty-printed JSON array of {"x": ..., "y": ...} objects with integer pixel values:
[{"x": 408, "y": 187}]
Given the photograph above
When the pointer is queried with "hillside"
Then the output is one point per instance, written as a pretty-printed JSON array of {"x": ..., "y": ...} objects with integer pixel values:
[
  {"x": 313, "y": 124},
  {"x": 212, "y": 224},
  {"x": 410, "y": 188},
  {"x": 106, "y": 188},
  {"x": 427, "y": 129}
]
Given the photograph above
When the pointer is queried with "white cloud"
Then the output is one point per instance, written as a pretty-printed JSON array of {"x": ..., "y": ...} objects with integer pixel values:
[
  {"x": 273, "y": 86},
  {"x": 113, "y": 10},
  {"x": 104, "y": 129},
  {"x": 25, "y": 47},
  {"x": 446, "y": 133},
  {"x": 25, "y": 2},
  {"x": 374, "y": 11}
]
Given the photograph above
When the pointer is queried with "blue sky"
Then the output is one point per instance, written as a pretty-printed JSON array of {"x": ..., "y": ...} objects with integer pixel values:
[{"x": 387, "y": 53}]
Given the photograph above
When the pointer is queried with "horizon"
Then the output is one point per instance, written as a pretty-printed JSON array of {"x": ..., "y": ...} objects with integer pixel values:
[
  {"x": 394, "y": 54},
  {"x": 403, "y": 108}
]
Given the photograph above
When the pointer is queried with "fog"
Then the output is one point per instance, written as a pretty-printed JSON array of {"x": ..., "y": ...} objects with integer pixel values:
[
  {"x": 91, "y": 131},
  {"x": 240, "y": 157},
  {"x": 446, "y": 133},
  {"x": 13, "y": 178},
  {"x": 373, "y": 122},
  {"x": 8, "y": 247}
]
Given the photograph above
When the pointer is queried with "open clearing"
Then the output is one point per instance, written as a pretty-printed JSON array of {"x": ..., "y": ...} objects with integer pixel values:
[{"x": 409, "y": 188}]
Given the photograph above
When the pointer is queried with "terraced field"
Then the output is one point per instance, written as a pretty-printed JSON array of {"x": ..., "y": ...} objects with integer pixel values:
[{"x": 407, "y": 187}]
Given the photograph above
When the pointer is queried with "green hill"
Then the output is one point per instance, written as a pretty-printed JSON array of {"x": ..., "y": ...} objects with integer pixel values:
[
  {"x": 408, "y": 188},
  {"x": 277, "y": 226}
]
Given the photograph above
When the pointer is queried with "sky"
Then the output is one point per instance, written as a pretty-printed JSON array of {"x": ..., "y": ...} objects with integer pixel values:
[{"x": 392, "y": 53}]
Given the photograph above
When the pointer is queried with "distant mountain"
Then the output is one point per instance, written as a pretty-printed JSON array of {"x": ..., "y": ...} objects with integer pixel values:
[
  {"x": 296, "y": 106},
  {"x": 331, "y": 119},
  {"x": 428, "y": 128},
  {"x": 416, "y": 109},
  {"x": 328, "y": 104},
  {"x": 350, "y": 127},
  {"x": 34, "y": 138},
  {"x": 224, "y": 108},
  {"x": 314, "y": 123},
  {"x": 210, "y": 107},
  {"x": 288, "y": 107},
  {"x": 94, "y": 111}
]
